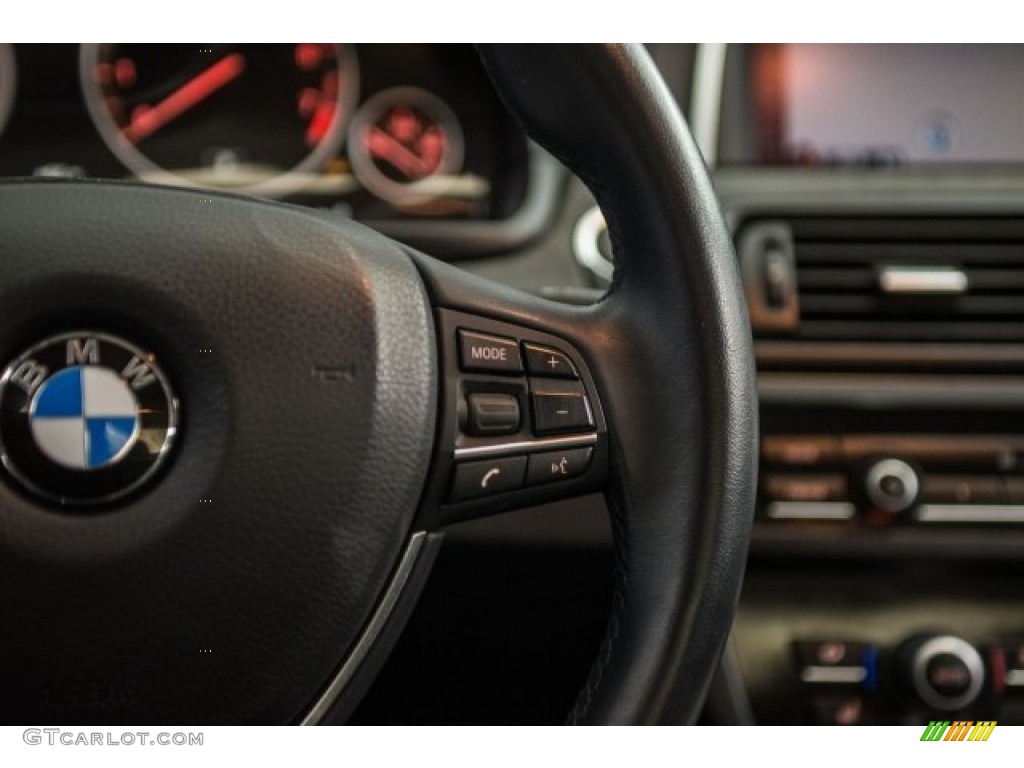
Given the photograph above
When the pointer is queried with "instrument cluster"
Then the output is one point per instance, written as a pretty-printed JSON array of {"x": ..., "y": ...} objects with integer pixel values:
[{"x": 376, "y": 132}]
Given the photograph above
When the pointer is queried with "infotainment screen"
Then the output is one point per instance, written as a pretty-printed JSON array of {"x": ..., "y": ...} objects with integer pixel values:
[{"x": 884, "y": 105}]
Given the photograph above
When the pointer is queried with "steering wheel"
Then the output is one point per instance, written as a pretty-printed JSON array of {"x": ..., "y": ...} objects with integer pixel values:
[{"x": 313, "y": 403}]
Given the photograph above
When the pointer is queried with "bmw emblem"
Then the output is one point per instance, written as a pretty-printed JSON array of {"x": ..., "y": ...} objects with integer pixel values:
[{"x": 85, "y": 418}]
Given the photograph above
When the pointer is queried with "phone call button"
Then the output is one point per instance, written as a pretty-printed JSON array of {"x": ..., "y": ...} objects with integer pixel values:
[{"x": 484, "y": 478}]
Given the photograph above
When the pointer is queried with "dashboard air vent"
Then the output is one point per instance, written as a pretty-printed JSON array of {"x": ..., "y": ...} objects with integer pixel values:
[{"x": 885, "y": 279}]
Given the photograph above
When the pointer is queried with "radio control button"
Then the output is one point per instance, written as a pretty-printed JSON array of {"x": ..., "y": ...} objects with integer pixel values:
[
  {"x": 892, "y": 485},
  {"x": 952, "y": 489},
  {"x": 482, "y": 352},
  {"x": 545, "y": 361},
  {"x": 801, "y": 451},
  {"x": 849, "y": 709},
  {"x": 1007, "y": 664},
  {"x": 492, "y": 413},
  {"x": 832, "y": 653},
  {"x": 560, "y": 407},
  {"x": 947, "y": 672},
  {"x": 804, "y": 487}
]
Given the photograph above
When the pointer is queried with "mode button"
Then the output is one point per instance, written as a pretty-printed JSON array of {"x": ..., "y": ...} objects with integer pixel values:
[{"x": 481, "y": 352}]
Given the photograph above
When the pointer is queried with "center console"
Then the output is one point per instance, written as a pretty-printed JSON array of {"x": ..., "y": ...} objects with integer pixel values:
[{"x": 877, "y": 204}]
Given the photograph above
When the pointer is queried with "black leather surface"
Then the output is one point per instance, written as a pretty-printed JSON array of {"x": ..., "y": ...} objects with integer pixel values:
[
  {"x": 308, "y": 425},
  {"x": 671, "y": 349}
]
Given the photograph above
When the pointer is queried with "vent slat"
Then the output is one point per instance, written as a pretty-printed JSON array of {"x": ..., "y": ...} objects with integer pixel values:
[
  {"x": 913, "y": 229},
  {"x": 939, "y": 306},
  {"x": 846, "y": 330},
  {"x": 839, "y": 262},
  {"x": 865, "y": 278},
  {"x": 846, "y": 278},
  {"x": 858, "y": 252},
  {"x": 997, "y": 281}
]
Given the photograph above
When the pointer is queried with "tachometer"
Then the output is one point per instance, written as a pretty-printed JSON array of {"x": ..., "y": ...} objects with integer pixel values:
[{"x": 258, "y": 119}]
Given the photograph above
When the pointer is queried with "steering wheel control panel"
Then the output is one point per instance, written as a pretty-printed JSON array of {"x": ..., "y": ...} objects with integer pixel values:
[
  {"x": 521, "y": 423},
  {"x": 927, "y": 676}
]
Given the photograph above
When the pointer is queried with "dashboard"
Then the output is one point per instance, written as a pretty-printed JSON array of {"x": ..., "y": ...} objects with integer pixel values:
[
  {"x": 876, "y": 198},
  {"x": 409, "y": 137},
  {"x": 876, "y": 195}
]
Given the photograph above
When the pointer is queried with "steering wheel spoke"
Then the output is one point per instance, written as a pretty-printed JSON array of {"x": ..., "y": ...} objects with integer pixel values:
[{"x": 520, "y": 420}]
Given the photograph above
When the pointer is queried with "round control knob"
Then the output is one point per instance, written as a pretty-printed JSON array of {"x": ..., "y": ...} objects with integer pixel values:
[
  {"x": 947, "y": 672},
  {"x": 892, "y": 485}
]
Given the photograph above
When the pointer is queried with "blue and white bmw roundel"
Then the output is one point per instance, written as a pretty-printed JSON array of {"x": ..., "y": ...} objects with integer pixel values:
[{"x": 84, "y": 417}]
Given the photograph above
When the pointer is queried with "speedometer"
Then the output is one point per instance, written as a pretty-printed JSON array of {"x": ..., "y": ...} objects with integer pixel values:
[{"x": 257, "y": 119}]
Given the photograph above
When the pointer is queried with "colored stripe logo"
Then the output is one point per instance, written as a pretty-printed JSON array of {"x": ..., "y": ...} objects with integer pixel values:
[{"x": 958, "y": 730}]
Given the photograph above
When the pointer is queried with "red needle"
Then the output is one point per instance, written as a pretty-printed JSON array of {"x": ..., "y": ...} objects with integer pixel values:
[
  {"x": 385, "y": 146},
  {"x": 148, "y": 121}
]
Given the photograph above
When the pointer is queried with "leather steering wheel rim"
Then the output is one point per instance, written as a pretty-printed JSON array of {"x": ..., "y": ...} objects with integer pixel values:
[{"x": 671, "y": 349}]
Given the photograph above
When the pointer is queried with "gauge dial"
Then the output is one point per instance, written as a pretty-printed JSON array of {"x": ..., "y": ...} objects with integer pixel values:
[
  {"x": 258, "y": 119},
  {"x": 8, "y": 82},
  {"x": 406, "y": 146}
]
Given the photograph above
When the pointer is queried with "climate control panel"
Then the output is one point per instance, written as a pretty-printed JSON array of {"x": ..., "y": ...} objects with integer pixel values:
[{"x": 847, "y": 682}]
